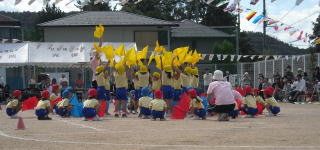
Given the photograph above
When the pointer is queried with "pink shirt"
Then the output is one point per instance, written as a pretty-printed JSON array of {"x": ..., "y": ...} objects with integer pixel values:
[
  {"x": 94, "y": 64},
  {"x": 222, "y": 91}
]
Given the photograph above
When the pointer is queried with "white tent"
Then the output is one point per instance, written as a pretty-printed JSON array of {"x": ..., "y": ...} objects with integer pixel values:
[
  {"x": 13, "y": 55},
  {"x": 50, "y": 54}
]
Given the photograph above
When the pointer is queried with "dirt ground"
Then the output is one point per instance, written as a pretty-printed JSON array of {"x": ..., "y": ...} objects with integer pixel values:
[{"x": 297, "y": 127}]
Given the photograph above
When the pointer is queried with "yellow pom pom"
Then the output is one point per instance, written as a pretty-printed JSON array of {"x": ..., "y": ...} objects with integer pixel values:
[
  {"x": 99, "y": 69},
  {"x": 120, "y": 68},
  {"x": 188, "y": 70},
  {"x": 195, "y": 71},
  {"x": 168, "y": 68}
]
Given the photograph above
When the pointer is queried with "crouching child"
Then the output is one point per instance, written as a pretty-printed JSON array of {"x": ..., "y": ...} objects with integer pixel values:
[
  {"x": 144, "y": 103},
  {"x": 91, "y": 106},
  {"x": 43, "y": 107},
  {"x": 271, "y": 104},
  {"x": 158, "y": 106},
  {"x": 196, "y": 106}
]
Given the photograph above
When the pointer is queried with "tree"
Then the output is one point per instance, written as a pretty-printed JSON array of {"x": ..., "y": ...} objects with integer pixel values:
[
  {"x": 48, "y": 13},
  {"x": 244, "y": 45},
  {"x": 90, "y": 6},
  {"x": 316, "y": 48},
  {"x": 215, "y": 16}
]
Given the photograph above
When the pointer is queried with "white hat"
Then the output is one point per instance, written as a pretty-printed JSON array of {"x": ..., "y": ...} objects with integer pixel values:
[
  {"x": 246, "y": 73},
  {"x": 218, "y": 75},
  {"x": 299, "y": 69}
]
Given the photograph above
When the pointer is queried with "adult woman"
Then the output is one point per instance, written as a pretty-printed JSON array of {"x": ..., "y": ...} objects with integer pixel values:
[{"x": 222, "y": 91}]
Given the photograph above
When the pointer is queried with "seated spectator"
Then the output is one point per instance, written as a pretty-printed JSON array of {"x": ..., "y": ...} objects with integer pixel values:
[
  {"x": 299, "y": 87},
  {"x": 289, "y": 74},
  {"x": 265, "y": 83},
  {"x": 286, "y": 89},
  {"x": 79, "y": 81}
]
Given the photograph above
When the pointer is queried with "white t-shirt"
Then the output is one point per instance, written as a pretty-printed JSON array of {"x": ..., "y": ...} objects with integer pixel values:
[
  {"x": 207, "y": 78},
  {"x": 222, "y": 91}
]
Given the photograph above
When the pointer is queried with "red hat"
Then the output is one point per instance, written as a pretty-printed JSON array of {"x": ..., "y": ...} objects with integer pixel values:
[
  {"x": 16, "y": 93},
  {"x": 45, "y": 94},
  {"x": 240, "y": 91},
  {"x": 247, "y": 89},
  {"x": 92, "y": 92},
  {"x": 268, "y": 91},
  {"x": 55, "y": 86},
  {"x": 192, "y": 93},
  {"x": 158, "y": 94},
  {"x": 256, "y": 90}
]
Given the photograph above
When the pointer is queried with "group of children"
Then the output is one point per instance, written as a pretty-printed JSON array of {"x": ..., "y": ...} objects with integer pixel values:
[{"x": 155, "y": 103}]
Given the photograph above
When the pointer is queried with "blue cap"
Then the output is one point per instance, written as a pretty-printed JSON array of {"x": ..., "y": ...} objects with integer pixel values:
[
  {"x": 145, "y": 91},
  {"x": 66, "y": 92},
  {"x": 132, "y": 92}
]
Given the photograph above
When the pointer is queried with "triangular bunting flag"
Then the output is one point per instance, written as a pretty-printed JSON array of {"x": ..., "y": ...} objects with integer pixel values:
[
  {"x": 203, "y": 56},
  {"x": 298, "y": 2},
  {"x": 232, "y": 57},
  {"x": 286, "y": 57},
  {"x": 17, "y": 2},
  {"x": 298, "y": 57},
  {"x": 267, "y": 57},
  {"x": 30, "y": 2},
  {"x": 300, "y": 35},
  {"x": 211, "y": 57},
  {"x": 256, "y": 20},
  {"x": 252, "y": 57},
  {"x": 219, "y": 57},
  {"x": 253, "y": 2},
  {"x": 224, "y": 57},
  {"x": 260, "y": 56},
  {"x": 249, "y": 17},
  {"x": 239, "y": 57}
]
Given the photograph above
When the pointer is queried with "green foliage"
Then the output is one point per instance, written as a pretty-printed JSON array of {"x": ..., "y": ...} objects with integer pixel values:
[
  {"x": 316, "y": 33},
  {"x": 90, "y": 6},
  {"x": 244, "y": 45},
  {"x": 48, "y": 13}
]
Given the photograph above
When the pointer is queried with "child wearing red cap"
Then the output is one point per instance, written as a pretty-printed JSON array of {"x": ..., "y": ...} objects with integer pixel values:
[
  {"x": 14, "y": 105},
  {"x": 43, "y": 107},
  {"x": 271, "y": 104},
  {"x": 158, "y": 106},
  {"x": 55, "y": 94},
  {"x": 196, "y": 106},
  {"x": 91, "y": 106},
  {"x": 249, "y": 105},
  {"x": 259, "y": 100}
]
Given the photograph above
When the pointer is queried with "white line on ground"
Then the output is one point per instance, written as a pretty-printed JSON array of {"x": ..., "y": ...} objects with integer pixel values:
[{"x": 153, "y": 145}]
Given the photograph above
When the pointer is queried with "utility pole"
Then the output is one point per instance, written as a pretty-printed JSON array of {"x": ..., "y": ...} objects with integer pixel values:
[
  {"x": 264, "y": 28},
  {"x": 237, "y": 27}
]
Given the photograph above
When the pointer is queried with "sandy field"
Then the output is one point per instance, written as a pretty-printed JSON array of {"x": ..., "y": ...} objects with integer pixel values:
[{"x": 297, "y": 127}]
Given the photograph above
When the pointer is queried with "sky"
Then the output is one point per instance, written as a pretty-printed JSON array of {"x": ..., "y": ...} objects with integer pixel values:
[{"x": 284, "y": 10}]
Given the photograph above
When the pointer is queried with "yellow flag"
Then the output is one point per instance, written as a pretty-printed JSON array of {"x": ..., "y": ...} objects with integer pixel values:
[
  {"x": 120, "y": 50},
  {"x": 181, "y": 53},
  {"x": 98, "y": 49},
  {"x": 318, "y": 41},
  {"x": 150, "y": 59},
  {"x": 131, "y": 57},
  {"x": 112, "y": 63},
  {"x": 158, "y": 61},
  {"x": 143, "y": 53},
  {"x": 176, "y": 63},
  {"x": 195, "y": 57},
  {"x": 167, "y": 59},
  {"x": 98, "y": 33},
  {"x": 188, "y": 58},
  {"x": 108, "y": 52},
  {"x": 158, "y": 48}
]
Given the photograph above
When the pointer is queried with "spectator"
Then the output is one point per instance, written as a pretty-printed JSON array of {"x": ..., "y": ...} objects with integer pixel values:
[
  {"x": 227, "y": 76},
  {"x": 300, "y": 71},
  {"x": 246, "y": 80},
  {"x": 265, "y": 83},
  {"x": 95, "y": 62},
  {"x": 316, "y": 74},
  {"x": 33, "y": 80},
  {"x": 289, "y": 74},
  {"x": 299, "y": 87},
  {"x": 79, "y": 81},
  {"x": 207, "y": 79},
  {"x": 54, "y": 81},
  {"x": 261, "y": 78},
  {"x": 286, "y": 89},
  {"x": 63, "y": 81},
  {"x": 276, "y": 77}
]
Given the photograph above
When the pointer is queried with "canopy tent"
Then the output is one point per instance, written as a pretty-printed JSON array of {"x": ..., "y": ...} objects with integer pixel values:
[
  {"x": 13, "y": 55},
  {"x": 51, "y": 54}
]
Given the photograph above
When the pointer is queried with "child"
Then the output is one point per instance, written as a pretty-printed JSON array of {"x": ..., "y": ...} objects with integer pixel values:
[
  {"x": 15, "y": 105},
  {"x": 185, "y": 77},
  {"x": 91, "y": 106},
  {"x": 43, "y": 107},
  {"x": 177, "y": 88},
  {"x": 143, "y": 76},
  {"x": 132, "y": 102},
  {"x": 158, "y": 106},
  {"x": 259, "y": 100},
  {"x": 144, "y": 103},
  {"x": 249, "y": 105},
  {"x": 196, "y": 106},
  {"x": 107, "y": 87},
  {"x": 195, "y": 79},
  {"x": 238, "y": 100},
  {"x": 166, "y": 87},
  {"x": 121, "y": 82},
  {"x": 271, "y": 104},
  {"x": 55, "y": 92},
  {"x": 156, "y": 82},
  {"x": 64, "y": 106},
  {"x": 101, "y": 90}
]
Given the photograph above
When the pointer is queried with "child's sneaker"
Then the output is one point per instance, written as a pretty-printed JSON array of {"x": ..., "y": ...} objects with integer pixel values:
[
  {"x": 196, "y": 118},
  {"x": 96, "y": 118},
  {"x": 153, "y": 119},
  {"x": 133, "y": 112},
  {"x": 84, "y": 119},
  {"x": 145, "y": 117},
  {"x": 269, "y": 115},
  {"x": 124, "y": 115},
  {"x": 116, "y": 115},
  {"x": 162, "y": 119},
  {"x": 224, "y": 117},
  {"x": 219, "y": 117},
  {"x": 249, "y": 116},
  {"x": 203, "y": 118},
  {"x": 189, "y": 116}
]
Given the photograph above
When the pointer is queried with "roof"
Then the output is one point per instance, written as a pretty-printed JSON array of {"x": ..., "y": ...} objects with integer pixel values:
[
  {"x": 8, "y": 21},
  {"x": 107, "y": 18},
  {"x": 188, "y": 28}
]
